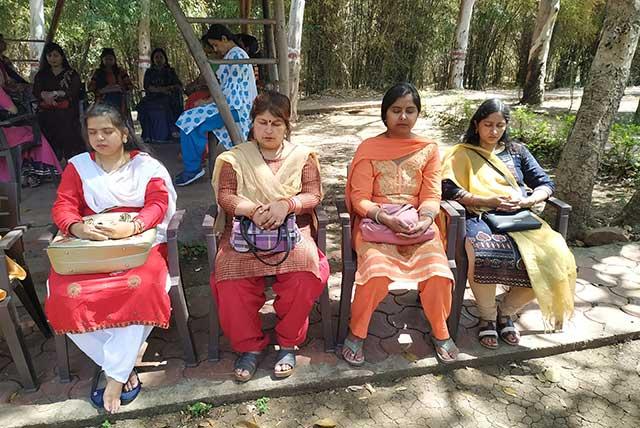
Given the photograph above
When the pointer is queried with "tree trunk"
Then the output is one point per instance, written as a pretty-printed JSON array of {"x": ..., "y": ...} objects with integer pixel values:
[
  {"x": 576, "y": 172},
  {"x": 459, "y": 53},
  {"x": 144, "y": 41},
  {"x": 533, "y": 91},
  {"x": 296, "y": 17},
  {"x": 245, "y": 12},
  {"x": 36, "y": 32},
  {"x": 631, "y": 211},
  {"x": 636, "y": 116}
]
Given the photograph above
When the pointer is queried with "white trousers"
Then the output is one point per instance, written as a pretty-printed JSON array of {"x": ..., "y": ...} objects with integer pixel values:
[{"x": 115, "y": 350}]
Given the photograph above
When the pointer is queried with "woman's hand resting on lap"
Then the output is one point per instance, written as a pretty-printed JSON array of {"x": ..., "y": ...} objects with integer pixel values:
[
  {"x": 271, "y": 216},
  {"x": 87, "y": 231},
  {"x": 117, "y": 230},
  {"x": 417, "y": 229}
]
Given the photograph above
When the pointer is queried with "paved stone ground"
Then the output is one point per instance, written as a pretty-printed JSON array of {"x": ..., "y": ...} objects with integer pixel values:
[
  {"x": 607, "y": 310},
  {"x": 591, "y": 388}
]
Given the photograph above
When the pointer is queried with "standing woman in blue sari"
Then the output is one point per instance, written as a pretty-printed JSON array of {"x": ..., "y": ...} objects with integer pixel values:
[{"x": 162, "y": 104}]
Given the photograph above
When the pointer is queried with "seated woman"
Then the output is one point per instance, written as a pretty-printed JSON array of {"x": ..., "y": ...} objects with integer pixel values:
[
  {"x": 10, "y": 80},
  {"x": 110, "y": 83},
  {"x": 489, "y": 172},
  {"x": 38, "y": 162},
  {"x": 266, "y": 180},
  {"x": 239, "y": 89},
  {"x": 57, "y": 89},
  {"x": 162, "y": 104},
  {"x": 110, "y": 315},
  {"x": 197, "y": 91},
  {"x": 398, "y": 167}
]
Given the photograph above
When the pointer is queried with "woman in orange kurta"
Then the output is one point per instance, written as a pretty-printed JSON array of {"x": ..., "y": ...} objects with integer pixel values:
[{"x": 398, "y": 167}]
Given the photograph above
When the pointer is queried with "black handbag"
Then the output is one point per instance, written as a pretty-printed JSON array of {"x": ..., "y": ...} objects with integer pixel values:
[
  {"x": 511, "y": 222},
  {"x": 503, "y": 222}
]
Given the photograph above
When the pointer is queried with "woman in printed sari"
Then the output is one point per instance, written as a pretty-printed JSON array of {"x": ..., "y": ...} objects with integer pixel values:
[
  {"x": 57, "y": 89},
  {"x": 238, "y": 86},
  {"x": 162, "y": 104},
  {"x": 38, "y": 162},
  {"x": 488, "y": 172},
  {"x": 267, "y": 179},
  {"x": 110, "y": 83},
  {"x": 110, "y": 315},
  {"x": 398, "y": 167}
]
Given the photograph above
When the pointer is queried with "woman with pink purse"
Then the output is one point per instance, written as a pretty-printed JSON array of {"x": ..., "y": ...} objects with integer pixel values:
[
  {"x": 267, "y": 189},
  {"x": 393, "y": 195}
]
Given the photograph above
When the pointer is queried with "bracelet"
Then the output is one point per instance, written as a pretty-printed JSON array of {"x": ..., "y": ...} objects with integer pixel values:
[
  {"x": 138, "y": 226},
  {"x": 427, "y": 213},
  {"x": 375, "y": 217}
]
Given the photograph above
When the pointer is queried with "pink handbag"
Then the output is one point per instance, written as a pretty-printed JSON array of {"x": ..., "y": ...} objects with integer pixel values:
[{"x": 375, "y": 232}]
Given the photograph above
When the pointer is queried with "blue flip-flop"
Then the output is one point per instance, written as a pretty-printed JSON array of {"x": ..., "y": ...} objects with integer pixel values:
[
  {"x": 96, "y": 397},
  {"x": 126, "y": 397}
]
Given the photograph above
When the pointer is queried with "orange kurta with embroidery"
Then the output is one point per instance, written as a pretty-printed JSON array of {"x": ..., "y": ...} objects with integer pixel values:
[{"x": 396, "y": 171}]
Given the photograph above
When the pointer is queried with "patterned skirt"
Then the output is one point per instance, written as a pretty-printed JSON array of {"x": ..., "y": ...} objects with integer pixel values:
[{"x": 497, "y": 259}]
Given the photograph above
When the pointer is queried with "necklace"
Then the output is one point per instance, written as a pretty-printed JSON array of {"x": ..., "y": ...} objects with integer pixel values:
[
  {"x": 276, "y": 155},
  {"x": 123, "y": 160}
]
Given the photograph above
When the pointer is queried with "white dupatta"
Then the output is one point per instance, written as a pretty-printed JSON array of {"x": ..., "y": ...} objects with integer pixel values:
[{"x": 124, "y": 187}]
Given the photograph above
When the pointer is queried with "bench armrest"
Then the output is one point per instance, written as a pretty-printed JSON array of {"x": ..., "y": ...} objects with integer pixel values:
[{"x": 563, "y": 210}]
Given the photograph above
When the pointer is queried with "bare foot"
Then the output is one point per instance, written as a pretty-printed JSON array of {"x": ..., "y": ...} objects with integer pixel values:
[
  {"x": 111, "y": 395},
  {"x": 132, "y": 383}
]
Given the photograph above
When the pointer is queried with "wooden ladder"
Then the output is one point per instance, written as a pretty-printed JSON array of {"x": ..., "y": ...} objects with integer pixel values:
[{"x": 276, "y": 48}]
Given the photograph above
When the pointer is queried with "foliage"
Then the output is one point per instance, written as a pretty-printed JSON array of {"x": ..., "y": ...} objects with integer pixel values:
[
  {"x": 106, "y": 424},
  {"x": 199, "y": 409},
  {"x": 544, "y": 136},
  {"x": 193, "y": 251},
  {"x": 622, "y": 153},
  {"x": 455, "y": 120},
  {"x": 262, "y": 405}
]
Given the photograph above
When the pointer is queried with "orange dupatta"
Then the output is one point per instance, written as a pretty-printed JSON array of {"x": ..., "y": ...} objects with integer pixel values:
[{"x": 382, "y": 148}]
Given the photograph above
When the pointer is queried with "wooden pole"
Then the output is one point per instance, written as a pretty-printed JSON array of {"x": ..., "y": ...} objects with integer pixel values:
[
  {"x": 55, "y": 19},
  {"x": 245, "y": 11},
  {"x": 296, "y": 18},
  {"x": 282, "y": 48},
  {"x": 269, "y": 41},
  {"x": 203, "y": 64}
]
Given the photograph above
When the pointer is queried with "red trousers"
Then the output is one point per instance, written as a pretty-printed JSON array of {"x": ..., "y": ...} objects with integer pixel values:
[{"x": 239, "y": 301}]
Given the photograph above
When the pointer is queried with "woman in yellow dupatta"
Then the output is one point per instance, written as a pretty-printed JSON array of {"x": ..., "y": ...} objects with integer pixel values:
[
  {"x": 266, "y": 179},
  {"x": 488, "y": 172},
  {"x": 398, "y": 167}
]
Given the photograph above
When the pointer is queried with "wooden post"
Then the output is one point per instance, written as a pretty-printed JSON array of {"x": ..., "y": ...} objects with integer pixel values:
[
  {"x": 201, "y": 60},
  {"x": 269, "y": 43},
  {"x": 245, "y": 11},
  {"x": 55, "y": 19},
  {"x": 282, "y": 49}
]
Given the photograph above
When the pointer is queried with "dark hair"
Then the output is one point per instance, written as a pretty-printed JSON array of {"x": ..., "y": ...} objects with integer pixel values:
[
  {"x": 107, "y": 110},
  {"x": 276, "y": 104},
  {"x": 164, "y": 54},
  {"x": 397, "y": 91},
  {"x": 487, "y": 108},
  {"x": 216, "y": 31},
  {"x": 50, "y": 47},
  {"x": 249, "y": 44}
]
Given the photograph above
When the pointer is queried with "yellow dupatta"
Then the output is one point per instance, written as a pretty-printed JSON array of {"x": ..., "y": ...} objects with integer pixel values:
[
  {"x": 256, "y": 182},
  {"x": 550, "y": 264}
]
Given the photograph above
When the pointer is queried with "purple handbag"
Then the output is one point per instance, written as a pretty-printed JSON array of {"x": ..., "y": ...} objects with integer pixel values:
[
  {"x": 375, "y": 232},
  {"x": 246, "y": 237}
]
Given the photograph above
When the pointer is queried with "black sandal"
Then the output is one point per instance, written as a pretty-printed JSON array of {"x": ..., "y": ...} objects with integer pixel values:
[
  {"x": 488, "y": 330},
  {"x": 446, "y": 350},
  {"x": 247, "y": 361},
  {"x": 508, "y": 329},
  {"x": 288, "y": 357}
]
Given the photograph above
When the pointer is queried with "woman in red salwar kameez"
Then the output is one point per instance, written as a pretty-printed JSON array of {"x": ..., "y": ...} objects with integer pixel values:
[
  {"x": 110, "y": 315},
  {"x": 266, "y": 179}
]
